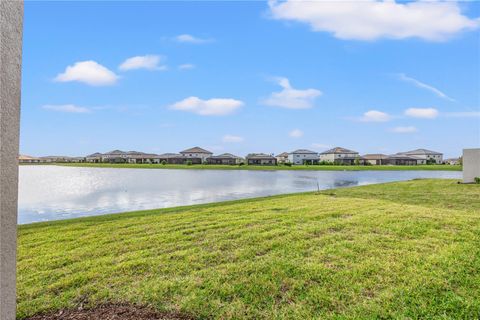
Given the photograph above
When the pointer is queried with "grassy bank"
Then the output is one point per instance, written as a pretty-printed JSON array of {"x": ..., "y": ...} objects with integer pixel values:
[
  {"x": 279, "y": 167},
  {"x": 397, "y": 250}
]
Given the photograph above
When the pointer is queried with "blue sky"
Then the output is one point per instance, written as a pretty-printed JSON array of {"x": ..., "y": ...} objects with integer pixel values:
[{"x": 250, "y": 76}]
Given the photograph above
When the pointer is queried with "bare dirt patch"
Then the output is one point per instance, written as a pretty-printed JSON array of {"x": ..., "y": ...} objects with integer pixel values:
[{"x": 112, "y": 312}]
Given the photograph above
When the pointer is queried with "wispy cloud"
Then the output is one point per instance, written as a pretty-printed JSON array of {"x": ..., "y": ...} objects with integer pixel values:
[
  {"x": 465, "y": 114},
  {"x": 296, "y": 133},
  {"x": 148, "y": 62},
  {"x": 375, "y": 116},
  {"x": 425, "y": 86},
  {"x": 425, "y": 113},
  {"x": 188, "y": 38},
  {"x": 371, "y": 20},
  {"x": 89, "y": 72},
  {"x": 210, "y": 107},
  {"x": 291, "y": 98},
  {"x": 232, "y": 139},
  {"x": 409, "y": 129},
  {"x": 69, "y": 108},
  {"x": 186, "y": 66}
]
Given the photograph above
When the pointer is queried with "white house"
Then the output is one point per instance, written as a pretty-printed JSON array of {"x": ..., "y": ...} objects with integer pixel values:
[
  {"x": 197, "y": 152},
  {"x": 424, "y": 156},
  {"x": 339, "y": 155},
  {"x": 303, "y": 156}
]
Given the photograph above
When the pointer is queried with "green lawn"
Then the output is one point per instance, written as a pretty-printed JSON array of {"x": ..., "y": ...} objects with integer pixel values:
[
  {"x": 404, "y": 250},
  {"x": 279, "y": 167}
]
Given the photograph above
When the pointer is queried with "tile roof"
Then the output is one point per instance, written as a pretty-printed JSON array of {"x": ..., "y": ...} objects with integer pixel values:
[
  {"x": 283, "y": 154},
  {"x": 420, "y": 151},
  {"x": 303, "y": 151},
  {"x": 374, "y": 156},
  {"x": 260, "y": 156},
  {"x": 225, "y": 155},
  {"x": 338, "y": 150},
  {"x": 196, "y": 150},
  {"x": 25, "y": 157}
]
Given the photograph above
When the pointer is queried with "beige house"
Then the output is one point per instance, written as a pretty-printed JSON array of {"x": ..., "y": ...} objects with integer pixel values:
[
  {"x": 197, "y": 152},
  {"x": 27, "y": 159},
  {"x": 282, "y": 157},
  {"x": 423, "y": 156},
  {"x": 452, "y": 161},
  {"x": 225, "y": 158},
  {"x": 339, "y": 155},
  {"x": 376, "y": 158},
  {"x": 94, "y": 157},
  {"x": 261, "y": 159}
]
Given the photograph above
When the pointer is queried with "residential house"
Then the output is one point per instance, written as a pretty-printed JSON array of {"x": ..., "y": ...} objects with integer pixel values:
[
  {"x": 115, "y": 156},
  {"x": 143, "y": 158},
  {"x": 376, "y": 159},
  {"x": 401, "y": 160},
  {"x": 94, "y": 157},
  {"x": 61, "y": 159},
  {"x": 197, "y": 152},
  {"x": 225, "y": 158},
  {"x": 452, "y": 161},
  {"x": 28, "y": 159},
  {"x": 177, "y": 158},
  {"x": 282, "y": 157},
  {"x": 303, "y": 156},
  {"x": 261, "y": 159},
  {"x": 340, "y": 155},
  {"x": 425, "y": 156}
]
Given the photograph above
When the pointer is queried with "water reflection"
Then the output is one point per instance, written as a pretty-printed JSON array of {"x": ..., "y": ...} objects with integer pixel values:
[{"x": 52, "y": 193}]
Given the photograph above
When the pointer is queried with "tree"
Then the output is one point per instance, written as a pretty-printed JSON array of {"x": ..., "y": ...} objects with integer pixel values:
[{"x": 357, "y": 161}]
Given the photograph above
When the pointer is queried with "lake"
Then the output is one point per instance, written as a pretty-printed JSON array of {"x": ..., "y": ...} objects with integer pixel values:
[{"x": 56, "y": 192}]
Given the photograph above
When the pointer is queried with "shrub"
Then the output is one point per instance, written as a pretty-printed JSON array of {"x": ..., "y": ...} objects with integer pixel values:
[
  {"x": 163, "y": 162},
  {"x": 477, "y": 180},
  {"x": 288, "y": 164},
  {"x": 189, "y": 162},
  {"x": 241, "y": 164}
]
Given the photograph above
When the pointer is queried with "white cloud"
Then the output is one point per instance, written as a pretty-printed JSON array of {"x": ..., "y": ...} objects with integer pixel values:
[
  {"x": 66, "y": 108},
  {"x": 231, "y": 138},
  {"x": 148, "y": 62},
  {"x": 211, "y": 107},
  {"x": 89, "y": 72},
  {"x": 296, "y": 133},
  {"x": 371, "y": 20},
  {"x": 426, "y": 113},
  {"x": 186, "y": 66},
  {"x": 375, "y": 116},
  {"x": 291, "y": 98},
  {"x": 409, "y": 129},
  {"x": 425, "y": 86},
  {"x": 188, "y": 38}
]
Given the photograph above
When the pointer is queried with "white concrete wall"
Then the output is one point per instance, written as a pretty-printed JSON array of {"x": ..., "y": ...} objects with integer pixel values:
[
  {"x": 471, "y": 164},
  {"x": 202, "y": 155},
  {"x": 299, "y": 158},
  {"x": 330, "y": 157},
  {"x": 11, "y": 20}
]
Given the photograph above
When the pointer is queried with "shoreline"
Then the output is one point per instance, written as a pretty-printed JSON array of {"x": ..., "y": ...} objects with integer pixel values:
[{"x": 257, "y": 168}]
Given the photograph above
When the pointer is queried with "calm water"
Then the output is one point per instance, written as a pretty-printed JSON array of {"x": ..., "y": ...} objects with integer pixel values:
[{"x": 53, "y": 193}]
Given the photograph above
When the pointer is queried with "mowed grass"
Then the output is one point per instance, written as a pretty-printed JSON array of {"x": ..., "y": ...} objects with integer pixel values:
[
  {"x": 252, "y": 167},
  {"x": 404, "y": 250}
]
